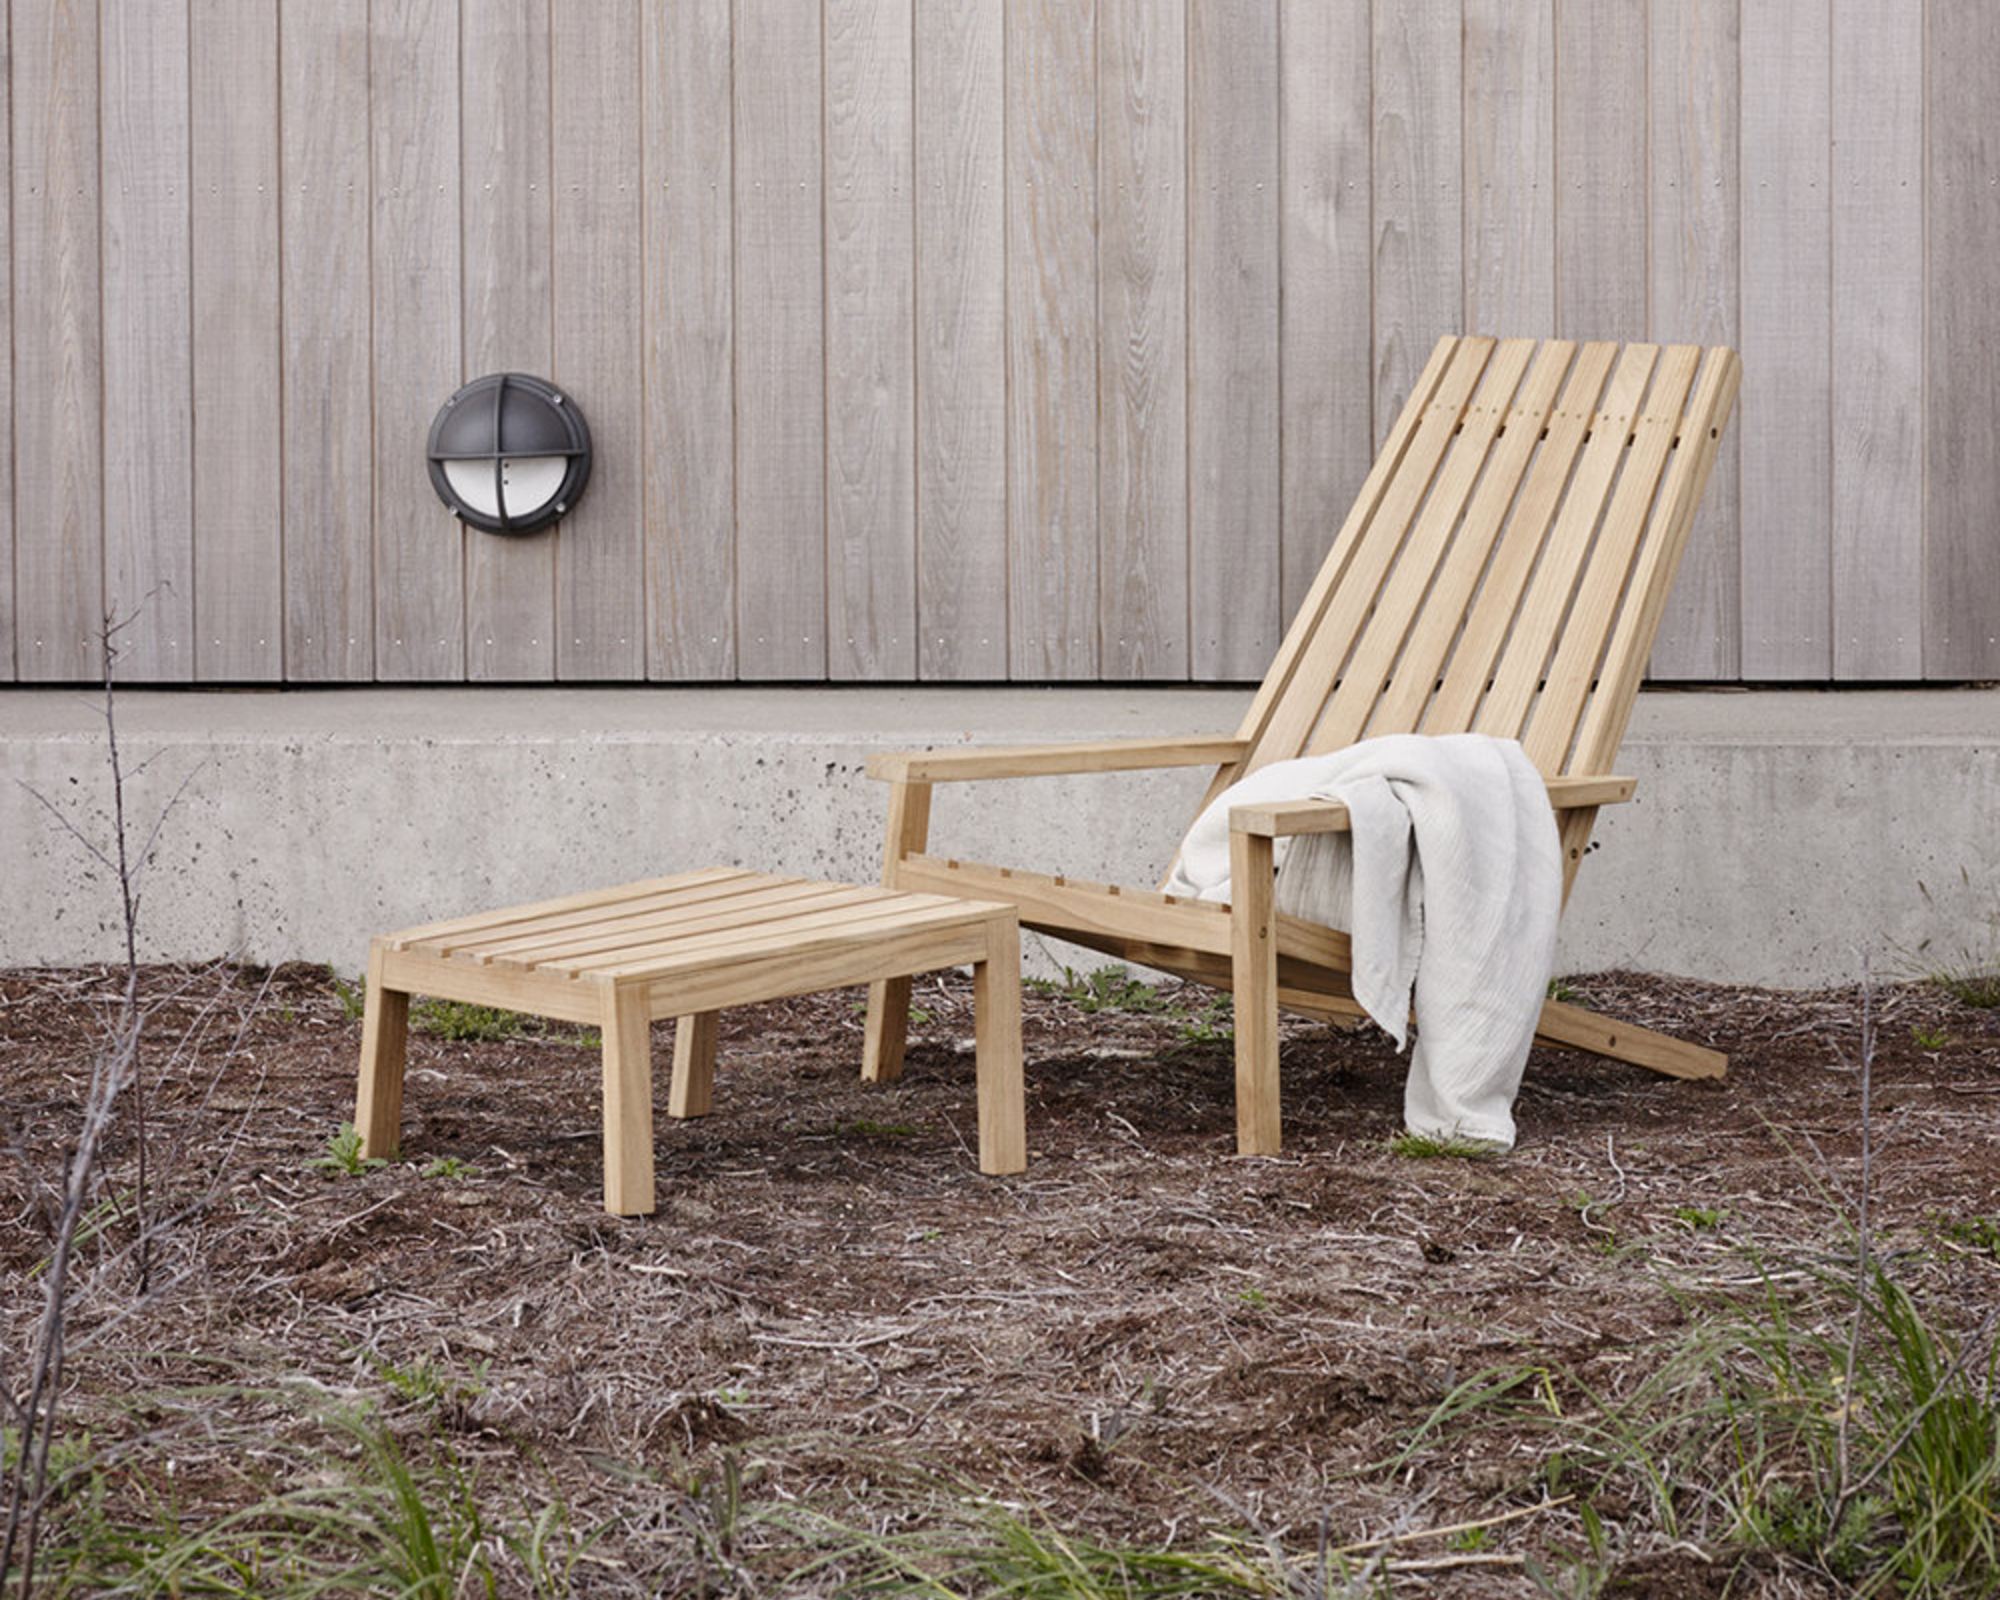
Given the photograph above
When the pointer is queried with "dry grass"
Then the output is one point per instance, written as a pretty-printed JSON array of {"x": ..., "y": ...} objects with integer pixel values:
[{"x": 838, "y": 1354}]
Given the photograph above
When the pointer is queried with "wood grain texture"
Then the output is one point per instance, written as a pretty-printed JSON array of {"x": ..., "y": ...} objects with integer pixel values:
[
  {"x": 1233, "y": 469},
  {"x": 1878, "y": 341},
  {"x": 148, "y": 365},
  {"x": 597, "y": 172},
  {"x": 328, "y": 435},
  {"x": 690, "y": 347},
  {"x": 1962, "y": 383},
  {"x": 1400, "y": 618},
  {"x": 871, "y": 532},
  {"x": 415, "y": 240},
  {"x": 961, "y": 338},
  {"x": 1419, "y": 237},
  {"x": 996, "y": 999},
  {"x": 1253, "y": 959},
  {"x": 1787, "y": 272},
  {"x": 239, "y": 582},
  {"x": 1695, "y": 249},
  {"x": 510, "y": 582},
  {"x": 1510, "y": 173},
  {"x": 1600, "y": 222},
  {"x": 1325, "y": 328},
  {"x": 58, "y": 342},
  {"x": 1015, "y": 396},
  {"x": 1142, "y": 372},
  {"x": 1052, "y": 569},
  {"x": 780, "y": 348}
]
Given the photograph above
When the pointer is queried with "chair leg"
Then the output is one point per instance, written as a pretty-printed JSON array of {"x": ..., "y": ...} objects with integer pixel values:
[
  {"x": 1572, "y": 1027},
  {"x": 996, "y": 998},
  {"x": 1253, "y": 954},
  {"x": 378, "y": 1101},
  {"x": 888, "y": 1030},
  {"x": 628, "y": 1102},
  {"x": 693, "y": 1084},
  {"x": 889, "y": 1001}
]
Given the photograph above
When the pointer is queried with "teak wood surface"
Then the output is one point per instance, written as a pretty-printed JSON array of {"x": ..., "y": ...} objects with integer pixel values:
[
  {"x": 688, "y": 947},
  {"x": 1503, "y": 571}
]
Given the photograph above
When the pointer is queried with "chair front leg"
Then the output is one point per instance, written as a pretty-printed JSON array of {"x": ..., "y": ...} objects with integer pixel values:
[
  {"x": 889, "y": 1000},
  {"x": 385, "y": 1027},
  {"x": 1253, "y": 952}
]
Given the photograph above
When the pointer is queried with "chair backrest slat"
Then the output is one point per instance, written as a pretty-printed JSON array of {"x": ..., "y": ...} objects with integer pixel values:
[
  {"x": 1467, "y": 674},
  {"x": 1580, "y": 646},
  {"x": 1443, "y": 617},
  {"x": 1506, "y": 564},
  {"x": 1365, "y": 561},
  {"x": 1387, "y": 464},
  {"x": 1524, "y": 658},
  {"x": 1659, "y": 559},
  {"x": 1399, "y": 606}
]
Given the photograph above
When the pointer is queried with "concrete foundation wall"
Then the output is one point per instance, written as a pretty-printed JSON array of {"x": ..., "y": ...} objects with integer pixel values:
[{"x": 1775, "y": 835}]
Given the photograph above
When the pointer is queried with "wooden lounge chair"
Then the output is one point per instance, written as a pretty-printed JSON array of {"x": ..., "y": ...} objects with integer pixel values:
[{"x": 1503, "y": 571}]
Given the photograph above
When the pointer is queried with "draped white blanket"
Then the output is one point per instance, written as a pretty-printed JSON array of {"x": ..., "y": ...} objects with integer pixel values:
[{"x": 1450, "y": 884}]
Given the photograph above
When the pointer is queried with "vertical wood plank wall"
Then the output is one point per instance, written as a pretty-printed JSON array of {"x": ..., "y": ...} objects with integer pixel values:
[{"x": 958, "y": 340}]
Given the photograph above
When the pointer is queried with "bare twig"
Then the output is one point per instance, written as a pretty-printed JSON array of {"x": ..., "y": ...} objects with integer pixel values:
[
  {"x": 115, "y": 1072},
  {"x": 1862, "y": 1242}
]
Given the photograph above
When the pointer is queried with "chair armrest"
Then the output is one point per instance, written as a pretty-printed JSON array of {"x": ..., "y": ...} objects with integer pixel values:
[
  {"x": 1045, "y": 760},
  {"x": 1284, "y": 818},
  {"x": 1281, "y": 819}
]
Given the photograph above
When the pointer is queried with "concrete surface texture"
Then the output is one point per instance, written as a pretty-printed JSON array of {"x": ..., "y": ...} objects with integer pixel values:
[{"x": 1776, "y": 835}]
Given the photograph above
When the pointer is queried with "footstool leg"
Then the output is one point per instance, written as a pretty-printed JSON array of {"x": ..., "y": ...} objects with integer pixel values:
[
  {"x": 996, "y": 995},
  {"x": 628, "y": 1102},
  {"x": 378, "y": 1102},
  {"x": 694, "y": 1065}
]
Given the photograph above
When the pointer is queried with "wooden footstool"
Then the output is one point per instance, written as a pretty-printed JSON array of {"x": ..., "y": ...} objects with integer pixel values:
[{"x": 686, "y": 947}]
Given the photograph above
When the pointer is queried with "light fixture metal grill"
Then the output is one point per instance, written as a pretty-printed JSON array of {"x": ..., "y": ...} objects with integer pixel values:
[{"x": 510, "y": 453}]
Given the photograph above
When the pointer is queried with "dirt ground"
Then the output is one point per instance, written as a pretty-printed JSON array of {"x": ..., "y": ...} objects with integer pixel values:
[{"x": 1143, "y": 1338}]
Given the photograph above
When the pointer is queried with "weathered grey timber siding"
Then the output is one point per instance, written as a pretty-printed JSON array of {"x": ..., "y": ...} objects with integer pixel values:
[{"x": 958, "y": 339}]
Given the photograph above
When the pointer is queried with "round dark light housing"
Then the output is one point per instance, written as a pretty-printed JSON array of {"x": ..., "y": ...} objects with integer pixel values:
[{"x": 510, "y": 453}]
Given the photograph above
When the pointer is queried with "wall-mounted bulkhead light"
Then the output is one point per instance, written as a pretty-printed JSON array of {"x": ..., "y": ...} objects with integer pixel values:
[{"x": 510, "y": 453}]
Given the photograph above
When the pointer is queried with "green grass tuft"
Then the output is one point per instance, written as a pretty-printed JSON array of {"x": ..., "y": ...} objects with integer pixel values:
[
  {"x": 1975, "y": 984},
  {"x": 1735, "y": 1436},
  {"x": 353, "y": 997},
  {"x": 1449, "y": 1147},
  {"x": 1106, "y": 988},
  {"x": 1214, "y": 1023},
  {"x": 1975, "y": 1233},
  {"x": 459, "y": 1019}
]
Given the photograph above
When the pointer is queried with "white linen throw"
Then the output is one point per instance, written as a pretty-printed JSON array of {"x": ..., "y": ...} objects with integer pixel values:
[{"x": 1450, "y": 884}]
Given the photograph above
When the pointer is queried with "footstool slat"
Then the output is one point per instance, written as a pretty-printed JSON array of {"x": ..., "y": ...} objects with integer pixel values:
[
  {"x": 780, "y": 974},
  {"x": 743, "y": 911},
  {"x": 702, "y": 899},
  {"x": 486, "y": 919},
  {"x": 806, "y": 934}
]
